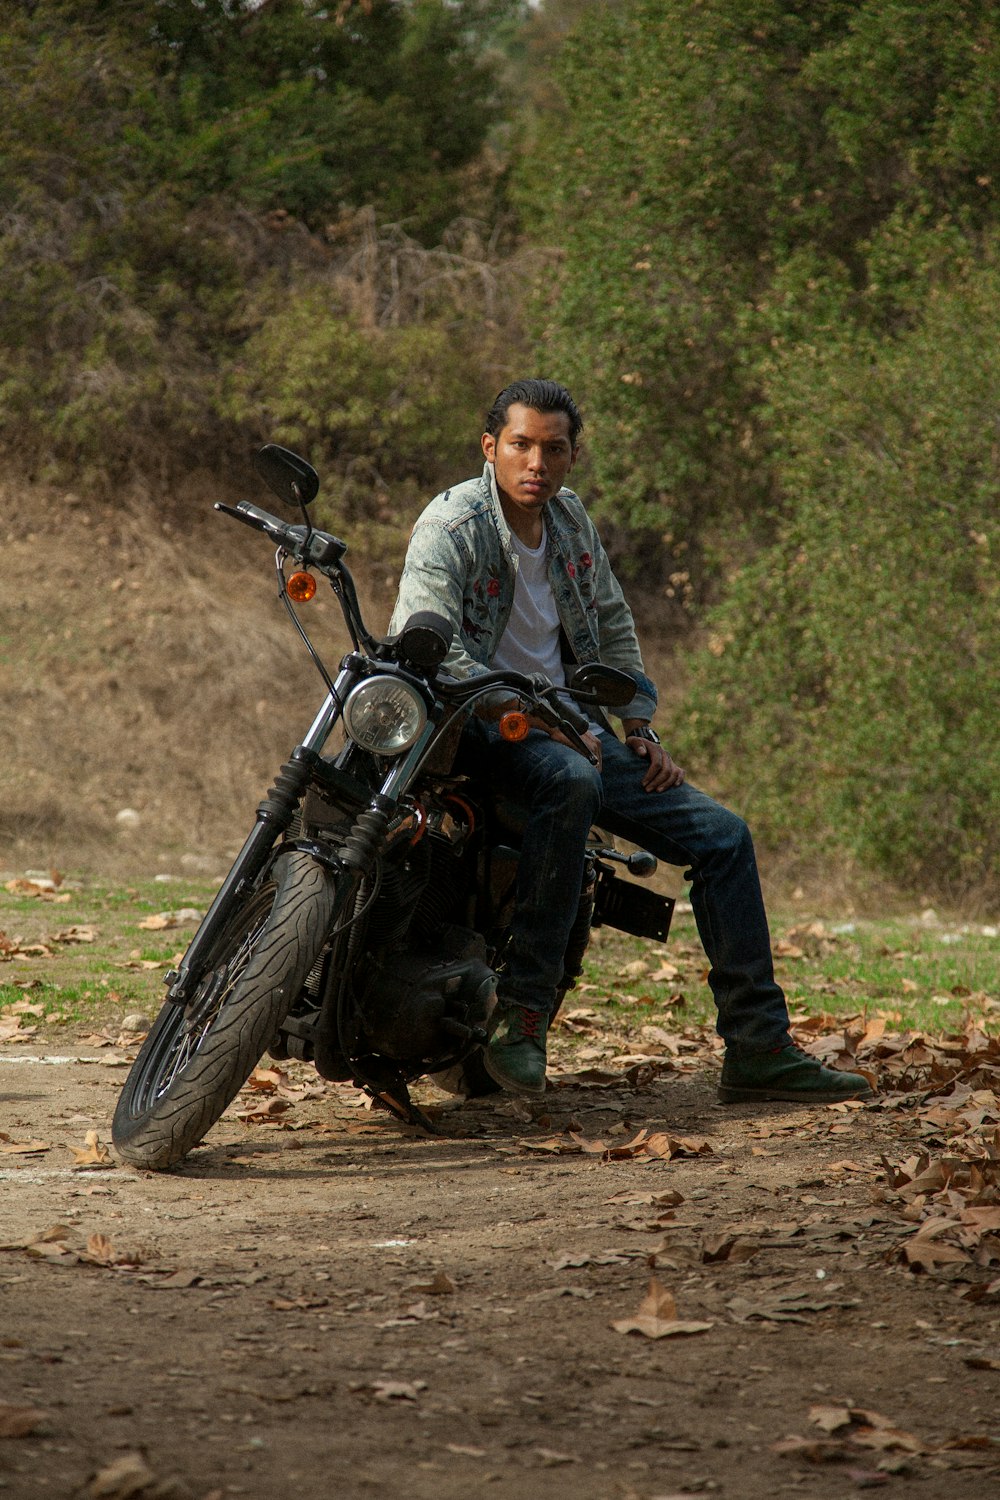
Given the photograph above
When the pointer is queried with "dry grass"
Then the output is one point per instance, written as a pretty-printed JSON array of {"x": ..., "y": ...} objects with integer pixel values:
[{"x": 144, "y": 664}]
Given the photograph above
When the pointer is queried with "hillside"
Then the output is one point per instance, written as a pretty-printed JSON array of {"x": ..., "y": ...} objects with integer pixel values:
[{"x": 145, "y": 664}]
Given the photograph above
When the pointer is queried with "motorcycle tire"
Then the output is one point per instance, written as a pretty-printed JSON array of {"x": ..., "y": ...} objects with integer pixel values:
[{"x": 186, "y": 1074}]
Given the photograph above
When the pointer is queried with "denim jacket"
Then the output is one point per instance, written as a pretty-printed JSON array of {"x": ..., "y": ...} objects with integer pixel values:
[{"x": 460, "y": 563}]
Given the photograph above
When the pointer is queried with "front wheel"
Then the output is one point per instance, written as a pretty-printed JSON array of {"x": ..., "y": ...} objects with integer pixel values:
[{"x": 196, "y": 1058}]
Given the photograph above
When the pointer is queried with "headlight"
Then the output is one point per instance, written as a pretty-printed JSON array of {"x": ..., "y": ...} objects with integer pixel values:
[{"x": 384, "y": 715}]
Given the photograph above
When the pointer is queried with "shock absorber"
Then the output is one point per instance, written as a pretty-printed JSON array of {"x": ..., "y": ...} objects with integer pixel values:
[
  {"x": 579, "y": 937},
  {"x": 364, "y": 842}
]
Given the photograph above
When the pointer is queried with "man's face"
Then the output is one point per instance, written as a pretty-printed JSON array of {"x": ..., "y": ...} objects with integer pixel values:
[{"x": 531, "y": 456}]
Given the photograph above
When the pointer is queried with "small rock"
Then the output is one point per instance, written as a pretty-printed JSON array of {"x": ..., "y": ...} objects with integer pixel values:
[
  {"x": 128, "y": 818},
  {"x": 198, "y": 864},
  {"x": 136, "y": 1021}
]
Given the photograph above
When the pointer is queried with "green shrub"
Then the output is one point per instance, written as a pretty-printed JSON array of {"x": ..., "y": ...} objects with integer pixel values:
[{"x": 850, "y": 683}]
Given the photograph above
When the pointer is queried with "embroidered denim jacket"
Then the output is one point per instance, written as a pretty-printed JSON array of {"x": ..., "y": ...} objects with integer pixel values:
[{"x": 461, "y": 564}]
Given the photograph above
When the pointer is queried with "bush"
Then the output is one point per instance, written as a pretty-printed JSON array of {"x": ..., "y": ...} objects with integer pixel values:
[{"x": 850, "y": 681}]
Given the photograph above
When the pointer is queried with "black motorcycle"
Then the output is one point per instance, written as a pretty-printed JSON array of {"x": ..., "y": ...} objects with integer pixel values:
[{"x": 363, "y": 924}]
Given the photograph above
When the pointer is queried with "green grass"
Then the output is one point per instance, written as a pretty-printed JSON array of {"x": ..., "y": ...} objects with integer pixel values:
[
  {"x": 918, "y": 975},
  {"x": 95, "y": 982}
]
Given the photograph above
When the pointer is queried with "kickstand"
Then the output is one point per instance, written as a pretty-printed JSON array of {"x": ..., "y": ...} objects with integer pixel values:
[{"x": 399, "y": 1103}]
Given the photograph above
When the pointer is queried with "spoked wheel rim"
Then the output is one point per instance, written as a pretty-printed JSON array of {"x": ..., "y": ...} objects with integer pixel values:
[{"x": 188, "y": 1027}]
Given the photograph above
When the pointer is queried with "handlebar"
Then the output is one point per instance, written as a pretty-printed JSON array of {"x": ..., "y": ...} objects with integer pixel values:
[
  {"x": 318, "y": 548},
  {"x": 324, "y": 552},
  {"x": 554, "y": 711}
]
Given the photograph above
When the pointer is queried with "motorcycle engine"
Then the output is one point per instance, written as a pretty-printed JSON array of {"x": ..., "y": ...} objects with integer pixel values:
[{"x": 419, "y": 1008}]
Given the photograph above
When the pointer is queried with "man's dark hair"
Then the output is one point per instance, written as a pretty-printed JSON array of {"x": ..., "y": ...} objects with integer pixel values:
[{"x": 537, "y": 395}]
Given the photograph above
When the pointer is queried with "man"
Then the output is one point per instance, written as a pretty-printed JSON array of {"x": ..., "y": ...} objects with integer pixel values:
[{"x": 514, "y": 562}]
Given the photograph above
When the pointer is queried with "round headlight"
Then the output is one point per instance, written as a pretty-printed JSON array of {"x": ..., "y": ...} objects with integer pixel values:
[{"x": 384, "y": 715}]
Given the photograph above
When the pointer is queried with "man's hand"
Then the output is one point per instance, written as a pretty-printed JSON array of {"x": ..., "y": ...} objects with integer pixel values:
[
  {"x": 661, "y": 773},
  {"x": 591, "y": 741}
]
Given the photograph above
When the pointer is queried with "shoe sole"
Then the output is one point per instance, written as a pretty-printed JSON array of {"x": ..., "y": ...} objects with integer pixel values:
[
  {"x": 728, "y": 1095},
  {"x": 529, "y": 1089}
]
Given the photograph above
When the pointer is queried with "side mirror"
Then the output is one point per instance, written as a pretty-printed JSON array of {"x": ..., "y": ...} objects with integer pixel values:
[
  {"x": 286, "y": 475},
  {"x": 595, "y": 683}
]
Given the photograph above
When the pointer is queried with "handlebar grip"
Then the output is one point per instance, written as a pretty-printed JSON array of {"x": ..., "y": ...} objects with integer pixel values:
[
  {"x": 252, "y": 515},
  {"x": 579, "y": 721}
]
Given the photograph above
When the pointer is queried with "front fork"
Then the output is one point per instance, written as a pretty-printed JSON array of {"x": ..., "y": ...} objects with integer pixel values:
[{"x": 274, "y": 818}]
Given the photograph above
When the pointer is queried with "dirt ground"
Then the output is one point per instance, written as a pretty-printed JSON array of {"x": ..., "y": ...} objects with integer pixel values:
[{"x": 322, "y": 1300}]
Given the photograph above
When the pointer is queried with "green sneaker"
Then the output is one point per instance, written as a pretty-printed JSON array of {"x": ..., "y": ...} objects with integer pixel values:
[
  {"x": 787, "y": 1073},
  {"x": 514, "y": 1057}
]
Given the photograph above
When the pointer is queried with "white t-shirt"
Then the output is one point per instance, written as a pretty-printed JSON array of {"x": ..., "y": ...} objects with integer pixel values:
[{"x": 530, "y": 642}]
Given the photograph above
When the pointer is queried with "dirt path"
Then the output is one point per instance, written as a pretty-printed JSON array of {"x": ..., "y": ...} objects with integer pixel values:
[{"x": 331, "y": 1303}]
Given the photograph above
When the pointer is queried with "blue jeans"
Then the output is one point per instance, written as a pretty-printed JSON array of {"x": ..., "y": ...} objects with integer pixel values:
[{"x": 564, "y": 796}]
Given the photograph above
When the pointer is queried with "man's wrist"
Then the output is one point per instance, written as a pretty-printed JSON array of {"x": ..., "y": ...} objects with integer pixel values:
[{"x": 640, "y": 729}]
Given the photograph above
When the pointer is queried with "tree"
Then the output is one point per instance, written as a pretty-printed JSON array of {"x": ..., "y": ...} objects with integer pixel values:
[
  {"x": 693, "y": 150},
  {"x": 777, "y": 233},
  {"x": 166, "y": 164}
]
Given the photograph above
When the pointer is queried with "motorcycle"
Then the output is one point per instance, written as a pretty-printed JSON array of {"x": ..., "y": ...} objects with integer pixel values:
[{"x": 363, "y": 924}]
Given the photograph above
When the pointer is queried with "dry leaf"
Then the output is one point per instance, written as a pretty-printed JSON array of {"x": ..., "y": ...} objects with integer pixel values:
[
  {"x": 93, "y": 1153},
  {"x": 100, "y": 1251},
  {"x": 263, "y": 1114},
  {"x": 830, "y": 1418},
  {"x": 125, "y": 1479},
  {"x": 657, "y": 1316},
  {"x": 728, "y": 1246},
  {"x": 397, "y": 1390},
  {"x": 440, "y": 1285},
  {"x": 813, "y": 1450},
  {"x": 23, "y": 1148},
  {"x": 76, "y": 934},
  {"x": 179, "y": 1281},
  {"x": 19, "y": 1421}
]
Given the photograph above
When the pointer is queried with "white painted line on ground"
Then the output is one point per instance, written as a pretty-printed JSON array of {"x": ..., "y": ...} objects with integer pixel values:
[
  {"x": 27, "y": 1174},
  {"x": 54, "y": 1060}
]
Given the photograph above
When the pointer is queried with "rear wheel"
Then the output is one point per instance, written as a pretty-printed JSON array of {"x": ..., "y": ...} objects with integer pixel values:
[{"x": 197, "y": 1057}]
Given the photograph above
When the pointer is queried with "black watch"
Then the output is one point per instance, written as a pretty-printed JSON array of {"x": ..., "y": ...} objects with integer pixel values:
[{"x": 644, "y": 732}]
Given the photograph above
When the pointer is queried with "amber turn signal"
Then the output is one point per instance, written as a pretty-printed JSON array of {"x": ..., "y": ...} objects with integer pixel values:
[
  {"x": 301, "y": 587},
  {"x": 514, "y": 725}
]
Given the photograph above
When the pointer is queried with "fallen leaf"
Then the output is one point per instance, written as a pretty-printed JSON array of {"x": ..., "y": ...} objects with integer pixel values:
[
  {"x": 830, "y": 1418},
  {"x": 574, "y": 1262},
  {"x": 125, "y": 1479},
  {"x": 729, "y": 1246},
  {"x": 657, "y": 1316},
  {"x": 550, "y": 1457},
  {"x": 19, "y": 1421},
  {"x": 166, "y": 919},
  {"x": 178, "y": 1281},
  {"x": 92, "y": 1153},
  {"x": 265, "y": 1113},
  {"x": 75, "y": 934},
  {"x": 440, "y": 1285},
  {"x": 813, "y": 1450},
  {"x": 23, "y": 1148},
  {"x": 397, "y": 1390}
]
